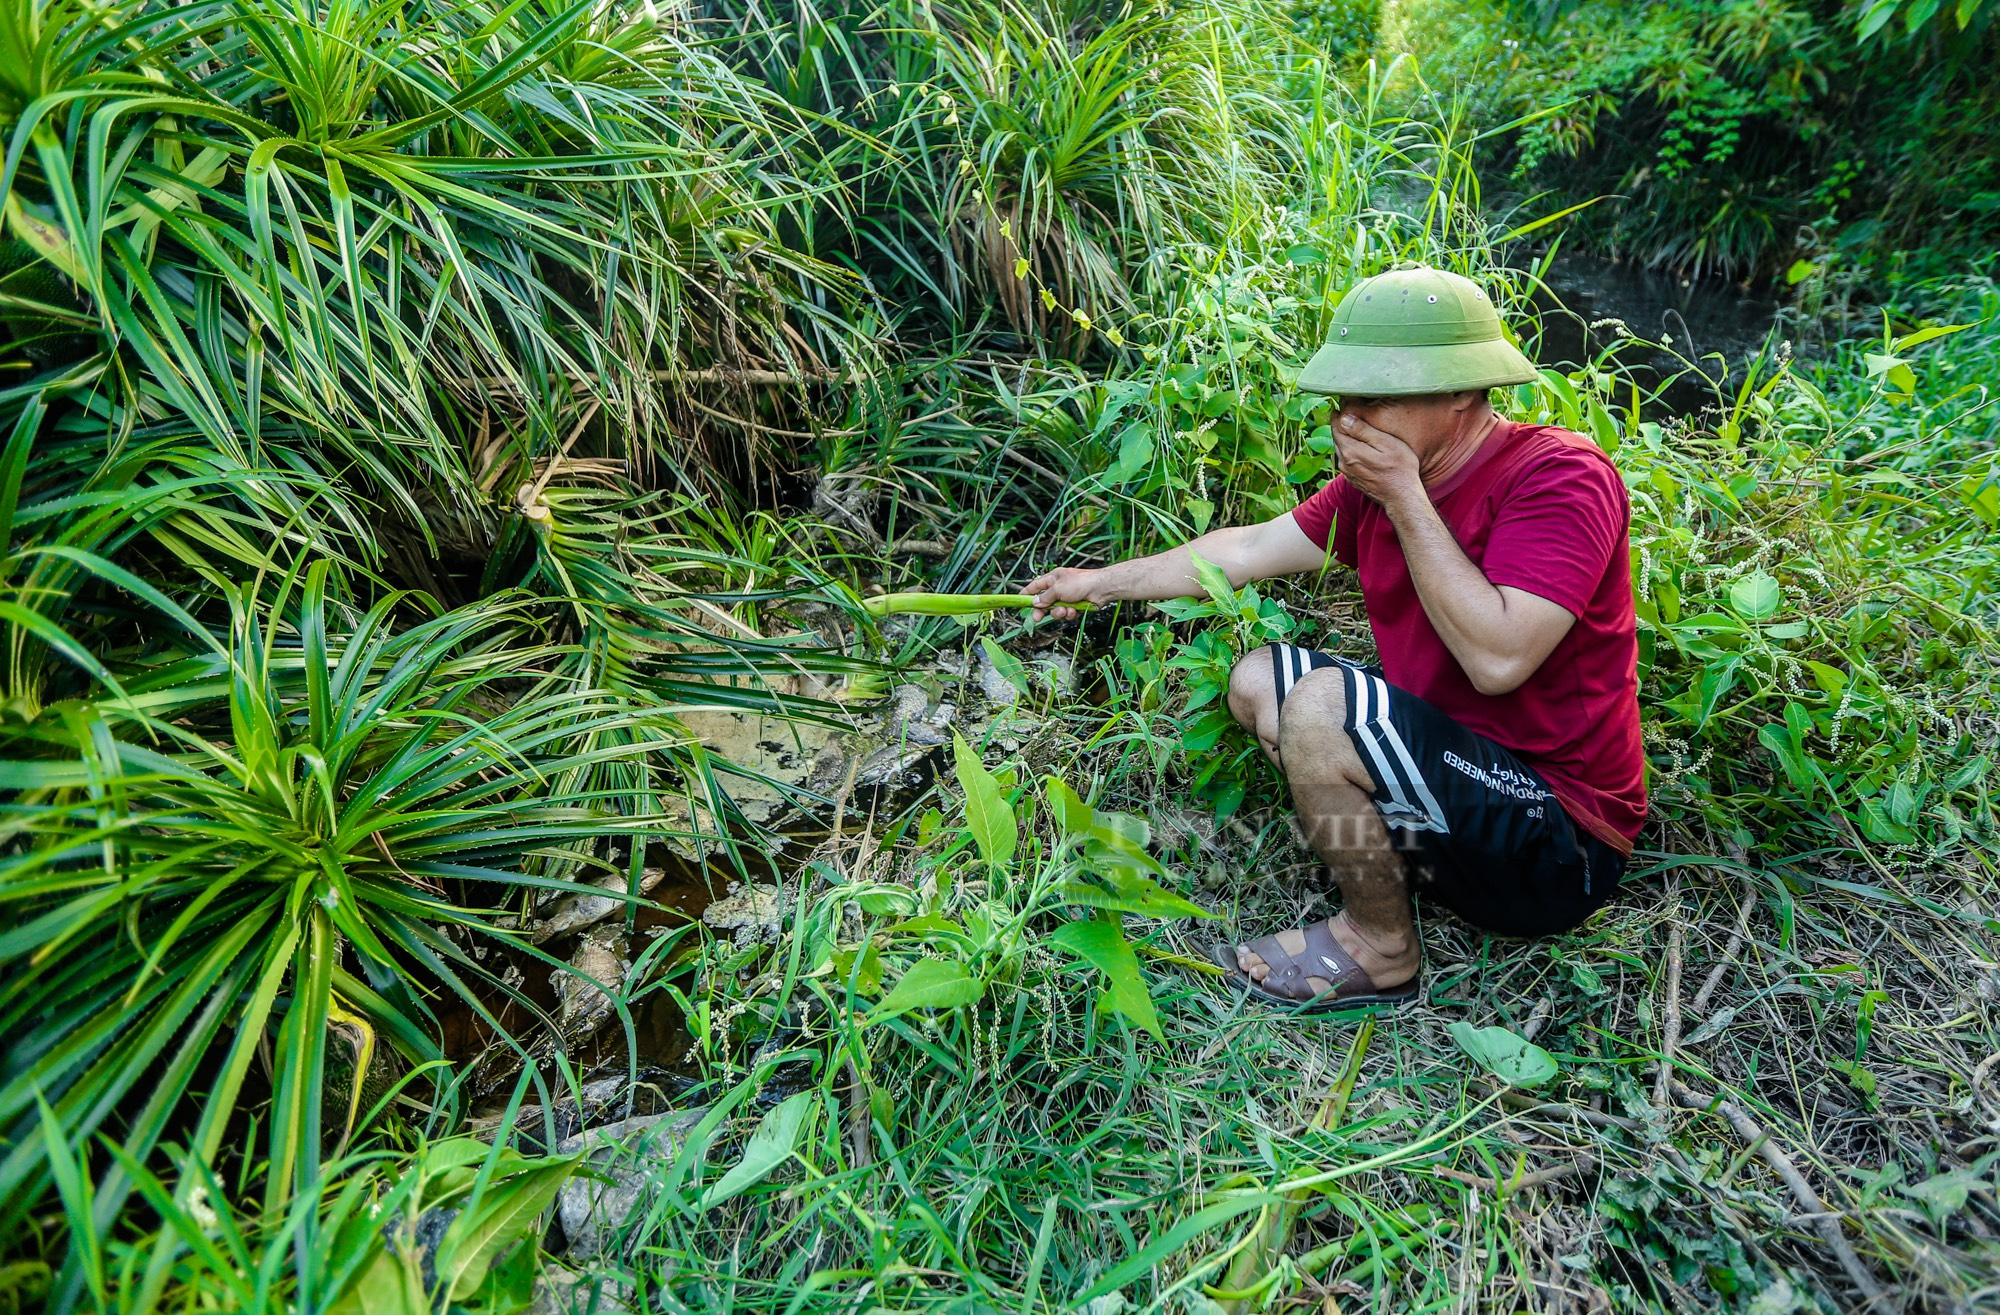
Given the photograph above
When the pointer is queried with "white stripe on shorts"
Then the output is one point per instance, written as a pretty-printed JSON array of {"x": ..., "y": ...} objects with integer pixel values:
[{"x": 1395, "y": 769}]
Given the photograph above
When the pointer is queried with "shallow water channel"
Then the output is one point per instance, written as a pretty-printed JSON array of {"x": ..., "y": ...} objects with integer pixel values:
[
  {"x": 871, "y": 762},
  {"x": 1587, "y": 295}
]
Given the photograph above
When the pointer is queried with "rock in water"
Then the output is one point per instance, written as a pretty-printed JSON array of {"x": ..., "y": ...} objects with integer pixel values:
[
  {"x": 777, "y": 757},
  {"x": 560, "y": 1290},
  {"x": 999, "y": 691},
  {"x": 574, "y": 911},
  {"x": 629, "y": 1155},
  {"x": 583, "y": 994},
  {"x": 752, "y": 912}
]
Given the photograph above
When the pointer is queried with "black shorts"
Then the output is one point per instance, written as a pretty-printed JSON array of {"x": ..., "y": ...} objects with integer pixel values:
[{"x": 1480, "y": 829}]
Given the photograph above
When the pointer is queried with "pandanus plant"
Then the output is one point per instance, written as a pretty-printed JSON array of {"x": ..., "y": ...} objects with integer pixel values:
[
  {"x": 361, "y": 240},
  {"x": 1073, "y": 149},
  {"x": 321, "y": 810}
]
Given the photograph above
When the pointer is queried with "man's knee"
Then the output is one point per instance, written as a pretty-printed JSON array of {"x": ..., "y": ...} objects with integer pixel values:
[
  {"x": 1252, "y": 689},
  {"x": 1316, "y": 702},
  {"x": 1312, "y": 727}
]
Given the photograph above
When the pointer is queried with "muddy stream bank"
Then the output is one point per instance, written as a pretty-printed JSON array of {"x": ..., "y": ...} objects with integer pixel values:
[{"x": 801, "y": 785}]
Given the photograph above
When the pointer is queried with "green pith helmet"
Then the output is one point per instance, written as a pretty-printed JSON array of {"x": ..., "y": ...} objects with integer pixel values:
[{"x": 1414, "y": 331}]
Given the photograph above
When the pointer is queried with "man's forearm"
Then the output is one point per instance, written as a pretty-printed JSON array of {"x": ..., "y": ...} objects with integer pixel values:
[
  {"x": 1243, "y": 552},
  {"x": 1167, "y": 574},
  {"x": 1170, "y": 574},
  {"x": 1467, "y": 611}
]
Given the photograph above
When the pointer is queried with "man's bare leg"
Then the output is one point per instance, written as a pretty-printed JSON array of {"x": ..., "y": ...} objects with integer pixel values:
[
  {"x": 1309, "y": 742},
  {"x": 1253, "y": 701}
]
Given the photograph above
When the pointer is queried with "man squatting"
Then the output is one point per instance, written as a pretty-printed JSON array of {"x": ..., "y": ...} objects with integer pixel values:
[{"x": 1500, "y": 736}]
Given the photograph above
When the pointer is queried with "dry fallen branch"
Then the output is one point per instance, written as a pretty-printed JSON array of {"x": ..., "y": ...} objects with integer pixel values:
[
  {"x": 1670, "y": 1036},
  {"x": 859, "y": 1118},
  {"x": 1033, "y": 466},
  {"x": 1826, "y": 1222},
  {"x": 1553, "y": 1174},
  {"x": 762, "y": 428},
  {"x": 528, "y": 497},
  {"x": 1596, "y": 1118},
  {"x": 1537, "y": 1020},
  {"x": 1737, "y": 940}
]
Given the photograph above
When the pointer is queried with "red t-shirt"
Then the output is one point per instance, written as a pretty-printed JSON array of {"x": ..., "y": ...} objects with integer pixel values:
[{"x": 1543, "y": 510}]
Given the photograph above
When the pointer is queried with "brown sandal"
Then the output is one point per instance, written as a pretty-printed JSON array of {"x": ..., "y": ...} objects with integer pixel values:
[{"x": 1322, "y": 957}]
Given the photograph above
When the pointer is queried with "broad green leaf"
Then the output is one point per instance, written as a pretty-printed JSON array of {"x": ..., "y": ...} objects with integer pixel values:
[
  {"x": 1717, "y": 679},
  {"x": 1779, "y": 740},
  {"x": 1116, "y": 882},
  {"x": 1879, "y": 826},
  {"x": 1603, "y": 428},
  {"x": 1203, "y": 733},
  {"x": 1215, "y": 582},
  {"x": 1875, "y": 17},
  {"x": 770, "y": 1146},
  {"x": 987, "y": 813},
  {"x": 863, "y": 968},
  {"x": 1104, "y": 945},
  {"x": 1513, "y": 1059},
  {"x": 1756, "y": 596},
  {"x": 1892, "y": 369},
  {"x": 929, "y": 984},
  {"x": 390, "y": 1285},
  {"x": 452, "y": 1165},
  {"x": 1831, "y": 680},
  {"x": 925, "y": 925},
  {"x": 1922, "y": 336},
  {"x": 1587, "y": 978},
  {"x": 895, "y": 901},
  {"x": 1121, "y": 830},
  {"x": 1982, "y": 495},
  {"x": 1135, "y": 454},
  {"x": 1005, "y": 663},
  {"x": 1944, "y": 1196},
  {"x": 508, "y": 1211},
  {"x": 1072, "y": 814}
]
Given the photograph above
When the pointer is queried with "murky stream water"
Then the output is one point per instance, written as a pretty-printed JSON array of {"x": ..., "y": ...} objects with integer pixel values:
[{"x": 1700, "y": 316}]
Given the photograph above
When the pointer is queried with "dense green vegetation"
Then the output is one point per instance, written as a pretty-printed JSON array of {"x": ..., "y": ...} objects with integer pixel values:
[
  {"x": 1825, "y": 139},
  {"x": 421, "y": 420}
]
